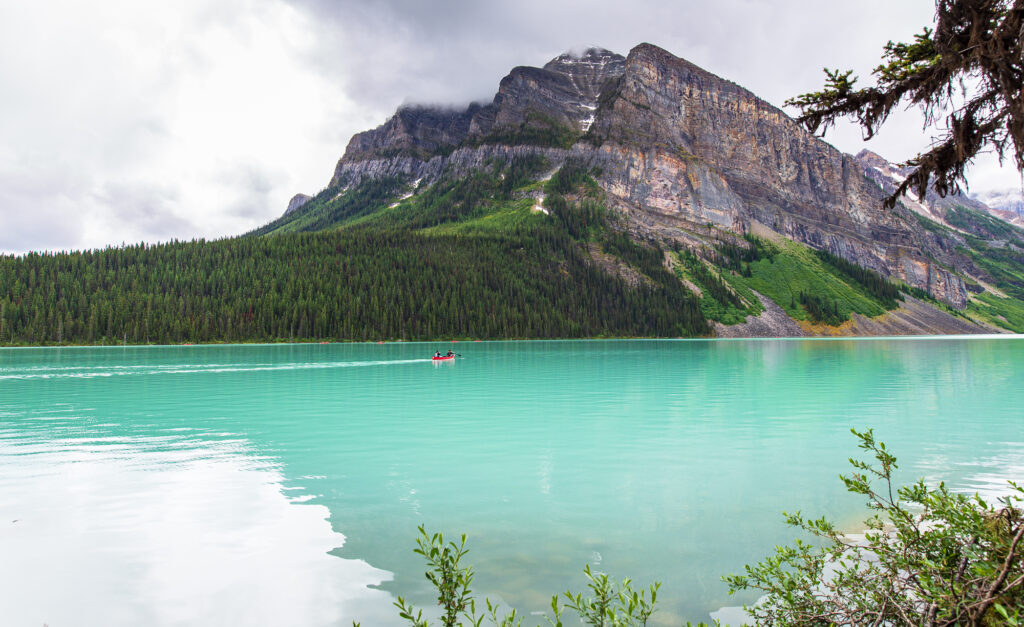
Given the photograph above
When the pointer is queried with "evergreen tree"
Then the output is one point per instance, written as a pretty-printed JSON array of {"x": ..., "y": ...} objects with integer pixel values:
[{"x": 971, "y": 64}]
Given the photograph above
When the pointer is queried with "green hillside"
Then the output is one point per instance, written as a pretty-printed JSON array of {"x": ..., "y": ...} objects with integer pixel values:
[
  {"x": 463, "y": 260},
  {"x": 466, "y": 257}
]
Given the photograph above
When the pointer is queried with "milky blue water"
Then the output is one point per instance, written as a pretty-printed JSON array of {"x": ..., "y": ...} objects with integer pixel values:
[{"x": 274, "y": 485}]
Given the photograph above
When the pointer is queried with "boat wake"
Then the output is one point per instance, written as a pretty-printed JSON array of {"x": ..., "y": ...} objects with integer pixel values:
[{"x": 90, "y": 372}]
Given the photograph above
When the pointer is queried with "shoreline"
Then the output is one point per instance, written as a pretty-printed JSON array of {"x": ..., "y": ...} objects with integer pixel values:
[{"x": 953, "y": 336}]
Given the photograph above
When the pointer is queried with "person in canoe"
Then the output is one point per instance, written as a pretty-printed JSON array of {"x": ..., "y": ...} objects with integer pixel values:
[
  {"x": 450, "y": 354},
  {"x": 437, "y": 354}
]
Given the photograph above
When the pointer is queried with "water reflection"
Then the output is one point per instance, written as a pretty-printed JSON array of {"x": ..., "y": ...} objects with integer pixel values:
[{"x": 170, "y": 530}]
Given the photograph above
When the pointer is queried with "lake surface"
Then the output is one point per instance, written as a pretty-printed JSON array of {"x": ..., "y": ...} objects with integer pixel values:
[{"x": 274, "y": 485}]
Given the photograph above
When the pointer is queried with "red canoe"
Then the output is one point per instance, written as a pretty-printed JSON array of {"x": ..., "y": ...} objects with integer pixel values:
[{"x": 444, "y": 358}]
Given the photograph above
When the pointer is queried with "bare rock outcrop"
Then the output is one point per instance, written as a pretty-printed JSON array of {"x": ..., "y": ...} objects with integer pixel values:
[
  {"x": 916, "y": 317},
  {"x": 297, "y": 201},
  {"x": 772, "y": 322}
]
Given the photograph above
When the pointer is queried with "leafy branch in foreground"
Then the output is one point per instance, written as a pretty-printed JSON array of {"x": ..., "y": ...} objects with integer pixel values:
[
  {"x": 612, "y": 604},
  {"x": 971, "y": 64},
  {"x": 929, "y": 557}
]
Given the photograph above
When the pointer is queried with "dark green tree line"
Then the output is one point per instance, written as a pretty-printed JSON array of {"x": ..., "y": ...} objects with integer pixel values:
[{"x": 332, "y": 285}]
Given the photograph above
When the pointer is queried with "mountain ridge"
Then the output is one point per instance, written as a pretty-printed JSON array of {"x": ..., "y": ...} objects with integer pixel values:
[
  {"x": 686, "y": 158},
  {"x": 674, "y": 143}
]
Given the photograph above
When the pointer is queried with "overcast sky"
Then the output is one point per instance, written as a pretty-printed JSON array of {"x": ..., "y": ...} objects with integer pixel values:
[{"x": 136, "y": 120}]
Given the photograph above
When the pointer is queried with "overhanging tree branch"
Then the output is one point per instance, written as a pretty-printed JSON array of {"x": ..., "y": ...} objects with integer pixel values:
[{"x": 969, "y": 69}]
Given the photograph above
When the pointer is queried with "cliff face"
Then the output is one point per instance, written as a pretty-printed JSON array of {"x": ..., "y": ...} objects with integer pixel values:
[
  {"x": 413, "y": 131},
  {"x": 682, "y": 154},
  {"x": 682, "y": 145},
  {"x": 558, "y": 98}
]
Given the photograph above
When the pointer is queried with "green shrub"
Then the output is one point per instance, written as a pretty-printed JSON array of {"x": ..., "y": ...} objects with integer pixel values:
[
  {"x": 929, "y": 557},
  {"x": 822, "y": 309},
  {"x": 609, "y": 603}
]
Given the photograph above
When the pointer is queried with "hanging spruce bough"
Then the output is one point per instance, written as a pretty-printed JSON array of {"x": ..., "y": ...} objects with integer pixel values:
[
  {"x": 929, "y": 557},
  {"x": 969, "y": 69}
]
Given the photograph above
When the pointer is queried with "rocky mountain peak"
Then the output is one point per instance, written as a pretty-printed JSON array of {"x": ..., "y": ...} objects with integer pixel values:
[
  {"x": 889, "y": 175},
  {"x": 297, "y": 201},
  {"x": 588, "y": 71},
  {"x": 565, "y": 91},
  {"x": 871, "y": 159},
  {"x": 554, "y": 101},
  {"x": 594, "y": 59}
]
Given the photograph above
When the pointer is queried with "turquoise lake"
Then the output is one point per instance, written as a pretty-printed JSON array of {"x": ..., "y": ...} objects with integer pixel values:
[{"x": 283, "y": 484}]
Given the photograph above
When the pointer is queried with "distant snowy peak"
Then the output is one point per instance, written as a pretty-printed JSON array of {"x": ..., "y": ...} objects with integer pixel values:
[
  {"x": 1008, "y": 200},
  {"x": 889, "y": 176},
  {"x": 598, "y": 58}
]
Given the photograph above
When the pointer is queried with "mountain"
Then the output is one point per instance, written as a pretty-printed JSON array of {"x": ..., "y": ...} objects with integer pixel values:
[
  {"x": 596, "y": 196},
  {"x": 687, "y": 159},
  {"x": 297, "y": 201}
]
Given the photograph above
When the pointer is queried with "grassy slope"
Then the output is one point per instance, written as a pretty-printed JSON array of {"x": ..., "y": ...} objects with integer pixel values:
[
  {"x": 782, "y": 276},
  {"x": 1007, "y": 313},
  {"x": 995, "y": 247},
  {"x": 721, "y": 310},
  {"x": 797, "y": 269}
]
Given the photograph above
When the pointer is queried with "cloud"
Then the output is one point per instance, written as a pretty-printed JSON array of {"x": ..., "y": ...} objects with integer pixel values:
[
  {"x": 148, "y": 206},
  {"x": 452, "y": 51},
  {"x": 213, "y": 115},
  {"x": 126, "y": 121}
]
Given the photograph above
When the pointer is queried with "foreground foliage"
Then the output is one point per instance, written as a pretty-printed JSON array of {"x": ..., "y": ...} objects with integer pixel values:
[
  {"x": 608, "y": 602},
  {"x": 929, "y": 557}
]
